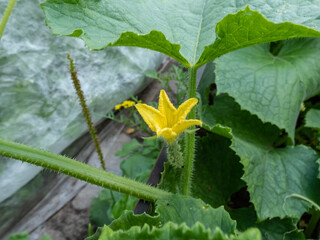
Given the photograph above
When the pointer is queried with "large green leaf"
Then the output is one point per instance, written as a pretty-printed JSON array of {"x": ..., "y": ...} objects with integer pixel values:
[
  {"x": 173, "y": 231},
  {"x": 313, "y": 118},
  {"x": 274, "y": 229},
  {"x": 272, "y": 87},
  {"x": 191, "y": 32},
  {"x": 184, "y": 209},
  {"x": 227, "y": 115},
  {"x": 271, "y": 229},
  {"x": 272, "y": 174},
  {"x": 128, "y": 220},
  {"x": 217, "y": 171}
]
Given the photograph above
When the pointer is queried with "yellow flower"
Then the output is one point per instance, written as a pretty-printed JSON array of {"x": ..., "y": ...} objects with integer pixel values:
[
  {"x": 167, "y": 121},
  {"x": 125, "y": 104}
]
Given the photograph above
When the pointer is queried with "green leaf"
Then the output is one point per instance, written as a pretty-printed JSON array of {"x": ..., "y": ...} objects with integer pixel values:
[
  {"x": 128, "y": 148},
  {"x": 172, "y": 179},
  {"x": 193, "y": 34},
  {"x": 272, "y": 87},
  {"x": 188, "y": 210},
  {"x": 271, "y": 229},
  {"x": 225, "y": 115},
  {"x": 272, "y": 174},
  {"x": 173, "y": 231},
  {"x": 25, "y": 236},
  {"x": 313, "y": 118},
  {"x": 90, "y": 230},
  {"x": 252, "y": 233},
  {"x": 96, "y": 235},
  {"x": 247, "y": 28},
  {"x": 245, "y": 217},
  {"x": 101, "y": 207},
  {"x": 19, "y": 236},
  {"x": 128, "y": 220},
  {"x": 46, "y": 238},
  {"x": 276, "y": 228},
  {"x": 217, "y": 171},
  {"x": 135, "y": 164},
  {"x": 138, "y": 157},
  {"x": 215, "y": 128},
  {"x": 126, "y": 202}
]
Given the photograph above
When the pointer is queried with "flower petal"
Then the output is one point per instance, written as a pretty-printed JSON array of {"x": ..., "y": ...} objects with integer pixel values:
[
  {"x": 167, "y": 134},
  {"x": 117, "y": 107},
  {"x": 182, "y": 125},
  {"x": 185, "y": 108},
  {"x": 151, "y": 116},
  {"x": 166, "y": 108}
]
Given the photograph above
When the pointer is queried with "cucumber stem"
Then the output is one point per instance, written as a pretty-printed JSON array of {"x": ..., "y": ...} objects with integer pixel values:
[{"x": 190, "y": 137}]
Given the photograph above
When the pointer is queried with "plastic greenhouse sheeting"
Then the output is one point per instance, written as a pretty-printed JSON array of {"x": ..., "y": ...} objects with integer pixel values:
[{"x": 38, "y": 104}]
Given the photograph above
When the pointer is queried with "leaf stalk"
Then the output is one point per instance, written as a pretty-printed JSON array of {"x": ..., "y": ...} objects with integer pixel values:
[
  {"x": 6, "y": 16},
  {"x": 80, "y": 170}
]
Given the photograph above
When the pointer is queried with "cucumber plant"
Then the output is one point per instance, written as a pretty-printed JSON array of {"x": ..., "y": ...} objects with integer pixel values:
[{"x": 256, "y": 168}]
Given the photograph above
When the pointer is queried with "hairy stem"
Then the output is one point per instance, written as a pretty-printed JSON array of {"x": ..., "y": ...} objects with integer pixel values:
[
  {"x": 6, "y": 16},
  {"x": 190, "y": 137},
  {"x": 85, "y": 111},
  {"x": 80, "y": 170}
]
